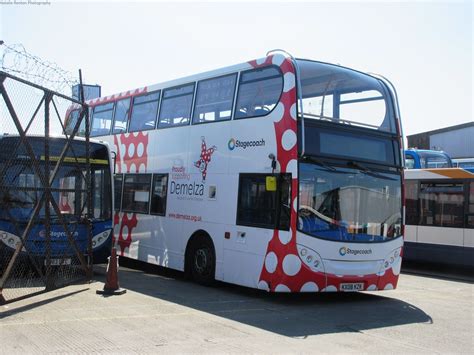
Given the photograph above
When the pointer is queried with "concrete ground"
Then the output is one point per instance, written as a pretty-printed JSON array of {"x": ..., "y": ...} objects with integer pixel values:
[{"x": 163, "y": 313}]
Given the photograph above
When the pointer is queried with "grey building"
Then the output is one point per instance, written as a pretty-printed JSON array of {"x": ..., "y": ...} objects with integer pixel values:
[{"x": 457, "y": 141}]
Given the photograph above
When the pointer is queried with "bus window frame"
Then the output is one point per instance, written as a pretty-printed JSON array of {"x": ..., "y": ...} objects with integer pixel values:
[
  {"x": 191, "y": 113},
  {"x": 149, "y": 193},
  {"x": 241, "y": 73},
  {"x": 112, "y": 120},
  {"x": 417, "y": 201},
  {"x": 465, "y": 183},
  {"x": 112, "y": 128},
  {"x": 162, "y": 175},
  {"x": 132, "y": 107},
  {"x": 118, "y": 208},
  {"x": 234, "y": 98},
  {"x": 468, "y": 214},
  {"x": 390, "y": 101}
]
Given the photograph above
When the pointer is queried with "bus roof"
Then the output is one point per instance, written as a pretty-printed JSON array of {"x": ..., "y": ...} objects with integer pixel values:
[{"x": 276, "y": 58}]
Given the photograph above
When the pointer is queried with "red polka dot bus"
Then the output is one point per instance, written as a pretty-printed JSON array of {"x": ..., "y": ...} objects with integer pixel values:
[{"x": 280, "y": 174}]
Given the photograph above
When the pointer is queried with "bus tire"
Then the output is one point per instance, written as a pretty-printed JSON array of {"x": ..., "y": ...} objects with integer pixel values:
[{"x": 201, "y": 259}]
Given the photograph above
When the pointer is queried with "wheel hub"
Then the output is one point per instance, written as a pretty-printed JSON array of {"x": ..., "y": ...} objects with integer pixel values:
[{"x": 201, "y": 260}]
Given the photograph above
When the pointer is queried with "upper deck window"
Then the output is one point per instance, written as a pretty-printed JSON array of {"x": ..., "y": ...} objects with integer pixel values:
[
  {"x": 342, "y": 95},
  {"x": 145, "y": 108},
  {"x": 259, "y": 92},
  {"x": 102, "y": 119},
  {"x": 214, "y": 99},
  {"x": 122, "y": 111},
  {"x": 72, "y": 121},
  {"x": 176, "y": 106}
]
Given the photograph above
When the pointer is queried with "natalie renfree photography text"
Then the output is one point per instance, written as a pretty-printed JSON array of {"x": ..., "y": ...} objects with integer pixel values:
[{"x": 25, "y": 2}]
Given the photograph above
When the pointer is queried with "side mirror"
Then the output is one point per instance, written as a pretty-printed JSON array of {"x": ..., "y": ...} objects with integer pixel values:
[{"x": 271, "y": 183}]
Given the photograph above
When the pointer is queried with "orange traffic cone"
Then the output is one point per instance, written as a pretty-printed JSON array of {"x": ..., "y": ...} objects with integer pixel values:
[{"x": 111, "y": 286}]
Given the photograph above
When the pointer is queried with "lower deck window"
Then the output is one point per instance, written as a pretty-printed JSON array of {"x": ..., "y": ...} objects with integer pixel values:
[
  {"x": 136, "y": 193},
  {"x": 411, "y": 203},
  {"x": 158, "y": 194},
  {"x": 118, "y": 183},
  {"x": 470, "y": 213},
  {"x": 442, "y": 204}
]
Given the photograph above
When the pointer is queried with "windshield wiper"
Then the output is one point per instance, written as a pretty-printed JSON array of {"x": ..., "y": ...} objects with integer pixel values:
[
  {"x": 367, "y": 171},
  {"x": 320, "y": 163}
]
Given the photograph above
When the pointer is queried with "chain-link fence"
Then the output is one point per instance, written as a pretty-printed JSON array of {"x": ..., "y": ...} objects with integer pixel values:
[{"x": 45, "y": 190}]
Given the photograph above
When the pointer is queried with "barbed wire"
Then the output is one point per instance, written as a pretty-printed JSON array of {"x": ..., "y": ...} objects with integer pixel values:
[{"x": 16, "y": 60}]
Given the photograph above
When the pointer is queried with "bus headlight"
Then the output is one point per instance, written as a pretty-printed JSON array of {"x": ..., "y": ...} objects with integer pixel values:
[
  {"x": 392, "y": 261},
  {"x": 99, "y": 239},
  {"x": 10, "y": 240},
  {"x": 311, "y": 258}
]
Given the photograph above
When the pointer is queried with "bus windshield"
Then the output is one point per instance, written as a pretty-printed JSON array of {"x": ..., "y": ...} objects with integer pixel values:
[
  {"x": 24, "y": 188},
  {"x": 349, "y": 203},
  {"x": 337, "y": 94},
  {"x": 430, "y": 160},
  {"x": 69, "y": 192}
]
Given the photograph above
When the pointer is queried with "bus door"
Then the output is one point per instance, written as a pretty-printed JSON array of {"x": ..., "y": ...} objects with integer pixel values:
[{"x": 263, "y": 206}]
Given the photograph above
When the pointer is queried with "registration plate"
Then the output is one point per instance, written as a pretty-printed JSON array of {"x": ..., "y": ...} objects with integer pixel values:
[
  {"x": 59, "y": 262},
  {"x": 355, "y": 286}
]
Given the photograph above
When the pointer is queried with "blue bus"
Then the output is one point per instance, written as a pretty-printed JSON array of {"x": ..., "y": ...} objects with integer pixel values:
[
  {"x": 21, "y": 189},
  {"x": 426, "y": 159}
]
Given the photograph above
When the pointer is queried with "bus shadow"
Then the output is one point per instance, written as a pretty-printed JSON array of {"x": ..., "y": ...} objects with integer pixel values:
[{"x": 293, "y": 315}]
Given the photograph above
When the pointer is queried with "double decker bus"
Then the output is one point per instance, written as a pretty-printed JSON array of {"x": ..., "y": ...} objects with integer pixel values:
[
  {"x": 21, "y": 190},
  {"x": 440, "y": 217},
  {"x": 280, "y": 174}
]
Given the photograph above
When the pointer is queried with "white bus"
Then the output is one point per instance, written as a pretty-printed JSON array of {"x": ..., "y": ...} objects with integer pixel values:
[
  {"x": 464, "y": 163},
  {"x": 440, "y": 216},
  {"x": 280, "y": 174}
]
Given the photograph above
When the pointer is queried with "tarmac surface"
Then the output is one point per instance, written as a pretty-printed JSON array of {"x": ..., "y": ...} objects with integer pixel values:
[{"x": 163, "y": 313}]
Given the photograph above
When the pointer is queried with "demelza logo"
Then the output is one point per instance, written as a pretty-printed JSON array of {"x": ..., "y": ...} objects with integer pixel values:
[
  {"x": 344, "y": 250},
  {"x": 189, "y": 189},
  {"x": 236, "y": 143}
]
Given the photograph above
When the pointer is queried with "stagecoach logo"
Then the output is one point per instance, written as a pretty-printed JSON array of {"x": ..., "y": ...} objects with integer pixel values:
[
  {"x": 343, "y": 251},
  {"x": 205, "y": 158},
  {"x": 235, "y": 143},
  {"x": 231, "y": 144},
  {"x": 56, "y": 234}
]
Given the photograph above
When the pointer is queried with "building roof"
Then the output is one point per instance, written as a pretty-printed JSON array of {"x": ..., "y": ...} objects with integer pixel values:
[{"x": 446, "y": 129}]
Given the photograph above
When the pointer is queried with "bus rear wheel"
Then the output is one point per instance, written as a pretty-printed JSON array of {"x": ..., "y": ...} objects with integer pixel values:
[{"x": 202, "y": 261}]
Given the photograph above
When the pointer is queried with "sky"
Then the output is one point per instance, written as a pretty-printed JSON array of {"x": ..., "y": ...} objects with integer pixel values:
[{"x": 424, "y": 48}]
